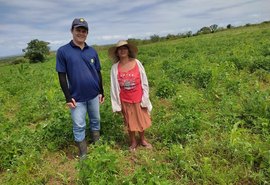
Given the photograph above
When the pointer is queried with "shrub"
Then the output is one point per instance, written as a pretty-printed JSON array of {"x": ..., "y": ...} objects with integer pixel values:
[
  {"x": 165, "y": 89},
  {"x": 260, "y": 63},
  {"x": 203, "y": 78},
  {"x": 57, "y": 133},
  {"x": 180, "y": 128},
  {"x": 19, "y": 60},
  {"x": 100, "y": 167}
]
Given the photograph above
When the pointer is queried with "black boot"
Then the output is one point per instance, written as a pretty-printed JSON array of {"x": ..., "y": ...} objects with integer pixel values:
[
  {"x": 95, "y": 135},
  {"x": 82, "y": 146}
]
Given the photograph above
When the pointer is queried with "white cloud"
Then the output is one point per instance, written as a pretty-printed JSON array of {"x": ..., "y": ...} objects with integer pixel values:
[{"x": 112, "y": 20}]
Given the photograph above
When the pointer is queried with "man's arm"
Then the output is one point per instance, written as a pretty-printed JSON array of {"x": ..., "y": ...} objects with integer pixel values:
[
  {"x": 64, "y": 86},
  {"x": 100, "y": 84}
]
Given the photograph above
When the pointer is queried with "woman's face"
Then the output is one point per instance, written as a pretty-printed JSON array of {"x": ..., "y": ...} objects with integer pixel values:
[{"x": 122, "y": 51}]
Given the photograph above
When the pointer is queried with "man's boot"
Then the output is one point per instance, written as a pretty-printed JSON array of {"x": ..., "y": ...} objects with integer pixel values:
[
  {"x": 82, "y": 146},
  {"x": 95, "y": 135}
]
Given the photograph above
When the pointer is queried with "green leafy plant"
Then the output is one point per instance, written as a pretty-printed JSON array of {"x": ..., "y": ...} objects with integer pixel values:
[{"x": 165, "y": 89}]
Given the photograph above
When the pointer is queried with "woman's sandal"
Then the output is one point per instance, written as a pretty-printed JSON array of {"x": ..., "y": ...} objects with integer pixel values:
[
  {"x": 132, "y": 148},
  {"x": 147, "y": 145}
]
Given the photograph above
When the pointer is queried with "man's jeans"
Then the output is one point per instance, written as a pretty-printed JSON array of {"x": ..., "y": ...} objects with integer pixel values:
[{"x": 78, "y": 115}]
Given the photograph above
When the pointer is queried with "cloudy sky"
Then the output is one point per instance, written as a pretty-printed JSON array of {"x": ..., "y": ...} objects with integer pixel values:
[{"x": 112, "y": 20}]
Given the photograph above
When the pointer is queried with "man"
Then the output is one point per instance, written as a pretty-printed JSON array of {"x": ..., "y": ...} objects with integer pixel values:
[{"x": 78, "y": 68}]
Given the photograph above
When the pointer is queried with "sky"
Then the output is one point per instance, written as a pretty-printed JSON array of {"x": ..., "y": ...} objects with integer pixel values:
[{"x": 113, "y": 20}]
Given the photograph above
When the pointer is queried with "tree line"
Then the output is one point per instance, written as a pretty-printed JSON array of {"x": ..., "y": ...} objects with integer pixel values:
[
  {"x": 204, "y": 30},
  {"x": 37, "y": 50}
]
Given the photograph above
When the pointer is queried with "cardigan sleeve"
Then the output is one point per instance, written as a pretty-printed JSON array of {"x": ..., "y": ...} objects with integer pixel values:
[
  {"x": 145, "y": 97},
  {"x": 115, "y": 90}
]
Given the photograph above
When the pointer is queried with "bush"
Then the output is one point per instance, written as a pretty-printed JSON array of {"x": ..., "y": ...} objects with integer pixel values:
[
  {"x": 165, "y": 89},
  {"x": 260, "y": 63},
  {"x": 19, "y": 60},
  {"x": 180, "y": 128},
  {"x": 100, "y": 167},
  {"x": 57, "y": 133},
  {"x": 203, "y": 78}
]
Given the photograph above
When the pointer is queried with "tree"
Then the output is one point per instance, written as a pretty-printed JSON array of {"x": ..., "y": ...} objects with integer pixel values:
[
  {"x": 229, "y": 26},
  {"x": 204, "y": 30},
  {"x": 170, "y": 36},
  {"x": 134, "y": 41},
  {"x": 36, "y": 51},
  {"x": 213, "y": 28},
  {"x": 154, "y": 38},
  {"x": 189, "y": 33}
]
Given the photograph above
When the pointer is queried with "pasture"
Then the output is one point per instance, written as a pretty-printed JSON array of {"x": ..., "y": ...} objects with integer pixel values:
[{"x": 211, "y": 118}]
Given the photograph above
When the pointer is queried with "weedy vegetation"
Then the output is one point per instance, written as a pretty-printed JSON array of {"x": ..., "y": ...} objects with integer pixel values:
[{"x": 211, "y": 118}]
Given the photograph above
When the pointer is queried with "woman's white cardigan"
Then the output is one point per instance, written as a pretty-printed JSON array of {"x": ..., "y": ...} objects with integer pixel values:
[{"x": 115, "y": 88}]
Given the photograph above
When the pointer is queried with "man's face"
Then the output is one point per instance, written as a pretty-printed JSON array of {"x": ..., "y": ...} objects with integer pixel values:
[{"x": 79, "y": 35}]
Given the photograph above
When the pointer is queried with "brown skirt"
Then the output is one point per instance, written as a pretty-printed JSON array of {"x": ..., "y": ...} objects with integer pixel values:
[{"x": 136, "y": 118}]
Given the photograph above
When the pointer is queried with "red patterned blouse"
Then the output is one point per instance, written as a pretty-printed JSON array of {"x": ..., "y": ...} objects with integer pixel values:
[{"x": 130, "y": 85}]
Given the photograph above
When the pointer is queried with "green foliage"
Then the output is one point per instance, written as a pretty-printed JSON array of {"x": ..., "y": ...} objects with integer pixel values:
[
  {"x": 149, "y": 170},
  {"x": 36, "y": 51},
  {"x": 213, "y": 28},
  {"x": 210, "y": 118},
  {"x": 204, "y": 30},
  {"x": 165, "y": 89},
  {"x": 229, "y": 26},
  {"x": 154, "y": 38},
  {"x": 180, "y": 128},
  {"x": 203, "y": 78},
  {"x": 58, "y": 133},
  {"x": 15, "y": 146},
  {"x": 20, "y": 60},
  {"x": 100, "y": 167}
]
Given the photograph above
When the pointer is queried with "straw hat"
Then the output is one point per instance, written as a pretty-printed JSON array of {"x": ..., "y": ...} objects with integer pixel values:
[{"x": 133, "y": 50}]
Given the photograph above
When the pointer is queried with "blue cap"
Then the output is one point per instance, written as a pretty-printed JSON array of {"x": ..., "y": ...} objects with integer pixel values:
[{"x": 79, "y": 22}]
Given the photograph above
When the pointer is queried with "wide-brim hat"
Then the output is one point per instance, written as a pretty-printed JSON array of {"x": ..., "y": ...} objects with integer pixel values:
[{"x": 112, "y": 51}]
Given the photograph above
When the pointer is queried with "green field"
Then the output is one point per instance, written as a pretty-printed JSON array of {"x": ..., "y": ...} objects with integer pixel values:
[{"x": 211, "y": 118}]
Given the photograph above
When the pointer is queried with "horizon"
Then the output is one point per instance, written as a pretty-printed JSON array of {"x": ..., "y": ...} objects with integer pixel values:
[{"x": 233, "y": 27}]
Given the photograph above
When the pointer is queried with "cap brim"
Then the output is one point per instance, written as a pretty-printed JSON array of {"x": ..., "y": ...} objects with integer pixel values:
[{"x": 77, "y": 26}]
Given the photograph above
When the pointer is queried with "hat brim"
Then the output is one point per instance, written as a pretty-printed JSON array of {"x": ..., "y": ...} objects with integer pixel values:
[
  {"x": 112, "y": 51},
  {"x": 77, "y": 26}
]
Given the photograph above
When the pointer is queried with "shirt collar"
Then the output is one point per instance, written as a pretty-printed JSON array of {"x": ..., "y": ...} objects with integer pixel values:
[{"x": 73, "y": 45}]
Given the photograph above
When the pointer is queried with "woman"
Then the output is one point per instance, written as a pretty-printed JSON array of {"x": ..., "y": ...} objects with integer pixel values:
[{"x": 130, "y": 91}]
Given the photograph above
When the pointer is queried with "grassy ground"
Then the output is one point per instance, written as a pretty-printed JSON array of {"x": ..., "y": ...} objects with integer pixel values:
[{"x": 211, "y": 99}]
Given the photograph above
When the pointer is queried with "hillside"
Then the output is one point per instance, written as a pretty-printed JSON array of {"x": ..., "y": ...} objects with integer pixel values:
[{"x": 211, "y": 118}]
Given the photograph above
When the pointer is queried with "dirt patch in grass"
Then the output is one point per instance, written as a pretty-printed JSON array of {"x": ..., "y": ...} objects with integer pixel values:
[{"x": 61, "y": 166}]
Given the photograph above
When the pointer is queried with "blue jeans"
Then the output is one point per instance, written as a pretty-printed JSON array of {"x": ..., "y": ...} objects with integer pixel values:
[{"x": 78, "y": 115}]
